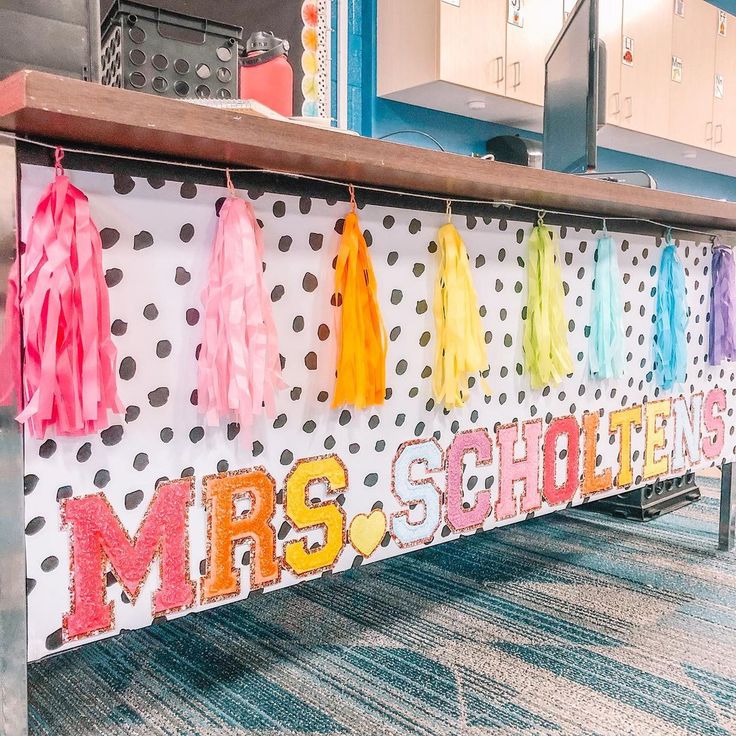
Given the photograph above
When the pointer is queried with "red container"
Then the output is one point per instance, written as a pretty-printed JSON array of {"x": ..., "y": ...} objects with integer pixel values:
[{"x": 266, "y": 75}]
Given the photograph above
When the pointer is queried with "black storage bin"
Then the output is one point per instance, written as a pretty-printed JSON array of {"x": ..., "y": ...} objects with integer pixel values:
[
  {"x": 62, "y": 37},
  {"x": 153, "y": 50}
]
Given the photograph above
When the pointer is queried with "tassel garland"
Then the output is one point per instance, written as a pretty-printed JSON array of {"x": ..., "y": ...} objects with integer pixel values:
[
  {"x": 671, "y": 320},
  {"x": 362, "y": 345},
  {"x": 461, "y": 350},
  {"x": 239, "y": 362},
  {"x": 722, "y": 343},
  {"x": 63, "y": 306},
  {"x": 606, "y": 352},
  {"x": 545, "y": 330}
]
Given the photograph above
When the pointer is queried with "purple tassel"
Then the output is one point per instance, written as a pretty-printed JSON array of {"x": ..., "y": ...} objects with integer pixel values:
[{"x": 722, "y": 345}]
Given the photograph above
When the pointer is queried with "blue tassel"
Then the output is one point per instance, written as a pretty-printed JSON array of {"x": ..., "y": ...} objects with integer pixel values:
[
  {"x": 606, "y": 351},
  {"x": 671, "y": 339}
]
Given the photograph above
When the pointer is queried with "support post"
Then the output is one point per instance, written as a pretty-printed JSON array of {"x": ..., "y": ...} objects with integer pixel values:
[
  {"x": 13, "y": 627},
  {"x": 727, "y": 519}
]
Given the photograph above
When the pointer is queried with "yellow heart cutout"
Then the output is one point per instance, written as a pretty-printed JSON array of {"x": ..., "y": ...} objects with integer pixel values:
[{"x": 366, "y": 531}]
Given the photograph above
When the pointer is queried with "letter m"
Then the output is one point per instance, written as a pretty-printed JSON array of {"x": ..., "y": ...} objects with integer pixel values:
[{"x": 99, "y": 542}]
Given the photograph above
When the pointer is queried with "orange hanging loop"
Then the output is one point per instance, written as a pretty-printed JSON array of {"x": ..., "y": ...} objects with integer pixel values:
[
  {"x": 353, "y": 203},
  {"x": 58, "y": 158},
  {"x": 230, "y": 185}
]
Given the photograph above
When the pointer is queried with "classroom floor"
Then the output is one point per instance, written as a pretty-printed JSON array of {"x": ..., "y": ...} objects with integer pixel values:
[{"x": 574, "y": 624}]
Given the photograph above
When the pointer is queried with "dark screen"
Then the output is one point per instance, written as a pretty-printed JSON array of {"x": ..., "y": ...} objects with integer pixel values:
[{"x": 570, "y": 95}]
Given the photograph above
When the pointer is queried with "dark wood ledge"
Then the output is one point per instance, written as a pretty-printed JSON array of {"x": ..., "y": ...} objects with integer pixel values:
[{"x": 90, "y": 115}]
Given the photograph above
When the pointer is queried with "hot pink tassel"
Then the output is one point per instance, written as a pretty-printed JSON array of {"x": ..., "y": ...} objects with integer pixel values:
[
  {"x": 69, "y": 357},
  {"x": 239, "y": 362}
]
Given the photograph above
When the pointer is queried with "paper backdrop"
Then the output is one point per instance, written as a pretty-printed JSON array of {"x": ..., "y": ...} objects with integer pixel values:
[{"x": 157, "y": 237}]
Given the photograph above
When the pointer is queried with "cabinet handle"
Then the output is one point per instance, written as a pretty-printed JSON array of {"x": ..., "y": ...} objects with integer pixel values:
[
  {"x": 709, "y": 131},
  {"x": 517, "y": 74},
  {"x": 617, "y": 97},
  {"x": 719, "y": 134},
  {"x": 500, "y": 76},
  {"x": 630, "y": 106}
]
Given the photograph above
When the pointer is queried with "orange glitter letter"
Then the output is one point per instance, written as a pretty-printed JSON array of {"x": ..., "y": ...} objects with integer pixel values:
[
  {"x": 226, "y": 529},
  {"x": 593, "y": 483},
  {"x": 623, "y": 420}
]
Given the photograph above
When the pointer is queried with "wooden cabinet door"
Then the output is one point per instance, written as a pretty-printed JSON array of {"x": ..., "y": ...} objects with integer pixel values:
[
  {"x": 528, "y": 46},
  {"x": 473, "y": 44},
  {"x": 610, "y": 21},
  {"x": 646, "y": 66},
  {"x": 691, "y": 98},
  {"x": 724, "y": 107}
]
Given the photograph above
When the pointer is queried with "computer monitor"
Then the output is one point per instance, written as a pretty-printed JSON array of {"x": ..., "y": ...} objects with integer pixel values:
[{"x": 572, "y": 91}]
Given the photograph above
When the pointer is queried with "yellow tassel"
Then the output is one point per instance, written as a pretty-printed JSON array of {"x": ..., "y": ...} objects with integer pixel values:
[
  {"x": 546, "y": 352},
  {"x": 461, "y": 350},
  {"x": 361, "y": 351}
]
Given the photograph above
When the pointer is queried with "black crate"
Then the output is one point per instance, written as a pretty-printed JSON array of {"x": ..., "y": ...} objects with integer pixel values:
[
  {"x": 650, "y": 501},
  {"x": 153, "y": 50}
]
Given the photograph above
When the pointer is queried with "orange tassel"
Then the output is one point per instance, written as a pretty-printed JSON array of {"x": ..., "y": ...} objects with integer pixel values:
[{"x": 361, "y": 349}]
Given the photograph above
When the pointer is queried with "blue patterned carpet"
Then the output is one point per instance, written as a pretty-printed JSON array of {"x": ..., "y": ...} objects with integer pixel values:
[{"x": 570, "y": 624}]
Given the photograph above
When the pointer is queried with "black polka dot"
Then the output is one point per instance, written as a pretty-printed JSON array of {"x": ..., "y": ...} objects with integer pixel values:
[
  {"x": 310, "y": 360},
  {"x": 315, "y": 240},
  {"x": 54, "y": 640},
  {"x": 196, "y": 434},
  {"x": 150, "y": 312},
  {"x": 163, "y": 348},
  {"x": 112, "y": 435},
  {"x": 123, "y": 183},
  {"x": 158, "y": 397},
  {"x": 285, "y": 243},
  {"x": 109, "y": 237},
  {"x": 192, "y": 317},
  {"x": 113, "y": 276},
  {"x": 186, "y": 233},
  {"x": 142, "y": 240},
  {"x": 47, "y": 449},
  {"x": 415, "y": 226},
  {"x": 287, "y": 457},
  {"x": 102, "y": 478},
  {"x": 132, "y": 413},
  {"x": 30, "y": 482},
  {"x": 388, "y": 222},
  {"x": 396, "y": 296},
  {"x": 309, "y": 282},
  {"x": 279, "y": 208},
  {"x": 305, "y": 205},
  {"x": 133, "y": 500},
  {"x": 140, "y": 461},
  {"x": 298, "y": 323},
  {"x": 182, "y": 276},
  {"x": 119, "y": 328},
  {"x": 188, "y": 190},
  {"x": 393, "y": 256},
  {"x": 277, "y": 292},
  {"x": 127, "y": 368}
]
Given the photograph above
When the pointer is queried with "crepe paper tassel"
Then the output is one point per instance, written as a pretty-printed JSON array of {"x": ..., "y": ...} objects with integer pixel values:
[
  {"x": 606, "y": 356},
  {"x": 361, "y": 346},
  {"x": 62, "y": 306},
  {"x": 671, "y": 320},
  {"x": 239, "y": 363},
  {"x": 546, "y": 351},
  {"x": 722, "y": 343},
  {"x": 461, "y": 349}
]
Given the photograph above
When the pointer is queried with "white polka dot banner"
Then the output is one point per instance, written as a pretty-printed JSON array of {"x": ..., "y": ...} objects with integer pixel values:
[{"x": 160, "y": 514}]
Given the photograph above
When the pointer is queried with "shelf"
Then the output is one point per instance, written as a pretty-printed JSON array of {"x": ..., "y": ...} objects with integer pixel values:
[{"x": 75, "y": 112}]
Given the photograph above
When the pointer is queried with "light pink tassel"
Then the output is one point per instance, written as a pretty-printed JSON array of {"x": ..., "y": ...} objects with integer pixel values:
[
  {"x": 63, "y": 307},
  {"x": 239, "y": 363}
]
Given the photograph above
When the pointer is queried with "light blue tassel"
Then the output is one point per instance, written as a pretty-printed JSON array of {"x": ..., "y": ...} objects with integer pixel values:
[
  {"x": 671, "y": 337},
  {"x": 606, "y": 349}
]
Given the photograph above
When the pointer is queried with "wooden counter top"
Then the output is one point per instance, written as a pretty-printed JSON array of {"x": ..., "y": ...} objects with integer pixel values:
[{"x": 69, "y": 111}]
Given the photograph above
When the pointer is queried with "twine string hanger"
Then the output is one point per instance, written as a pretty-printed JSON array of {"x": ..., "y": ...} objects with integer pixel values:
[{"x": 364, "y": 187}]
